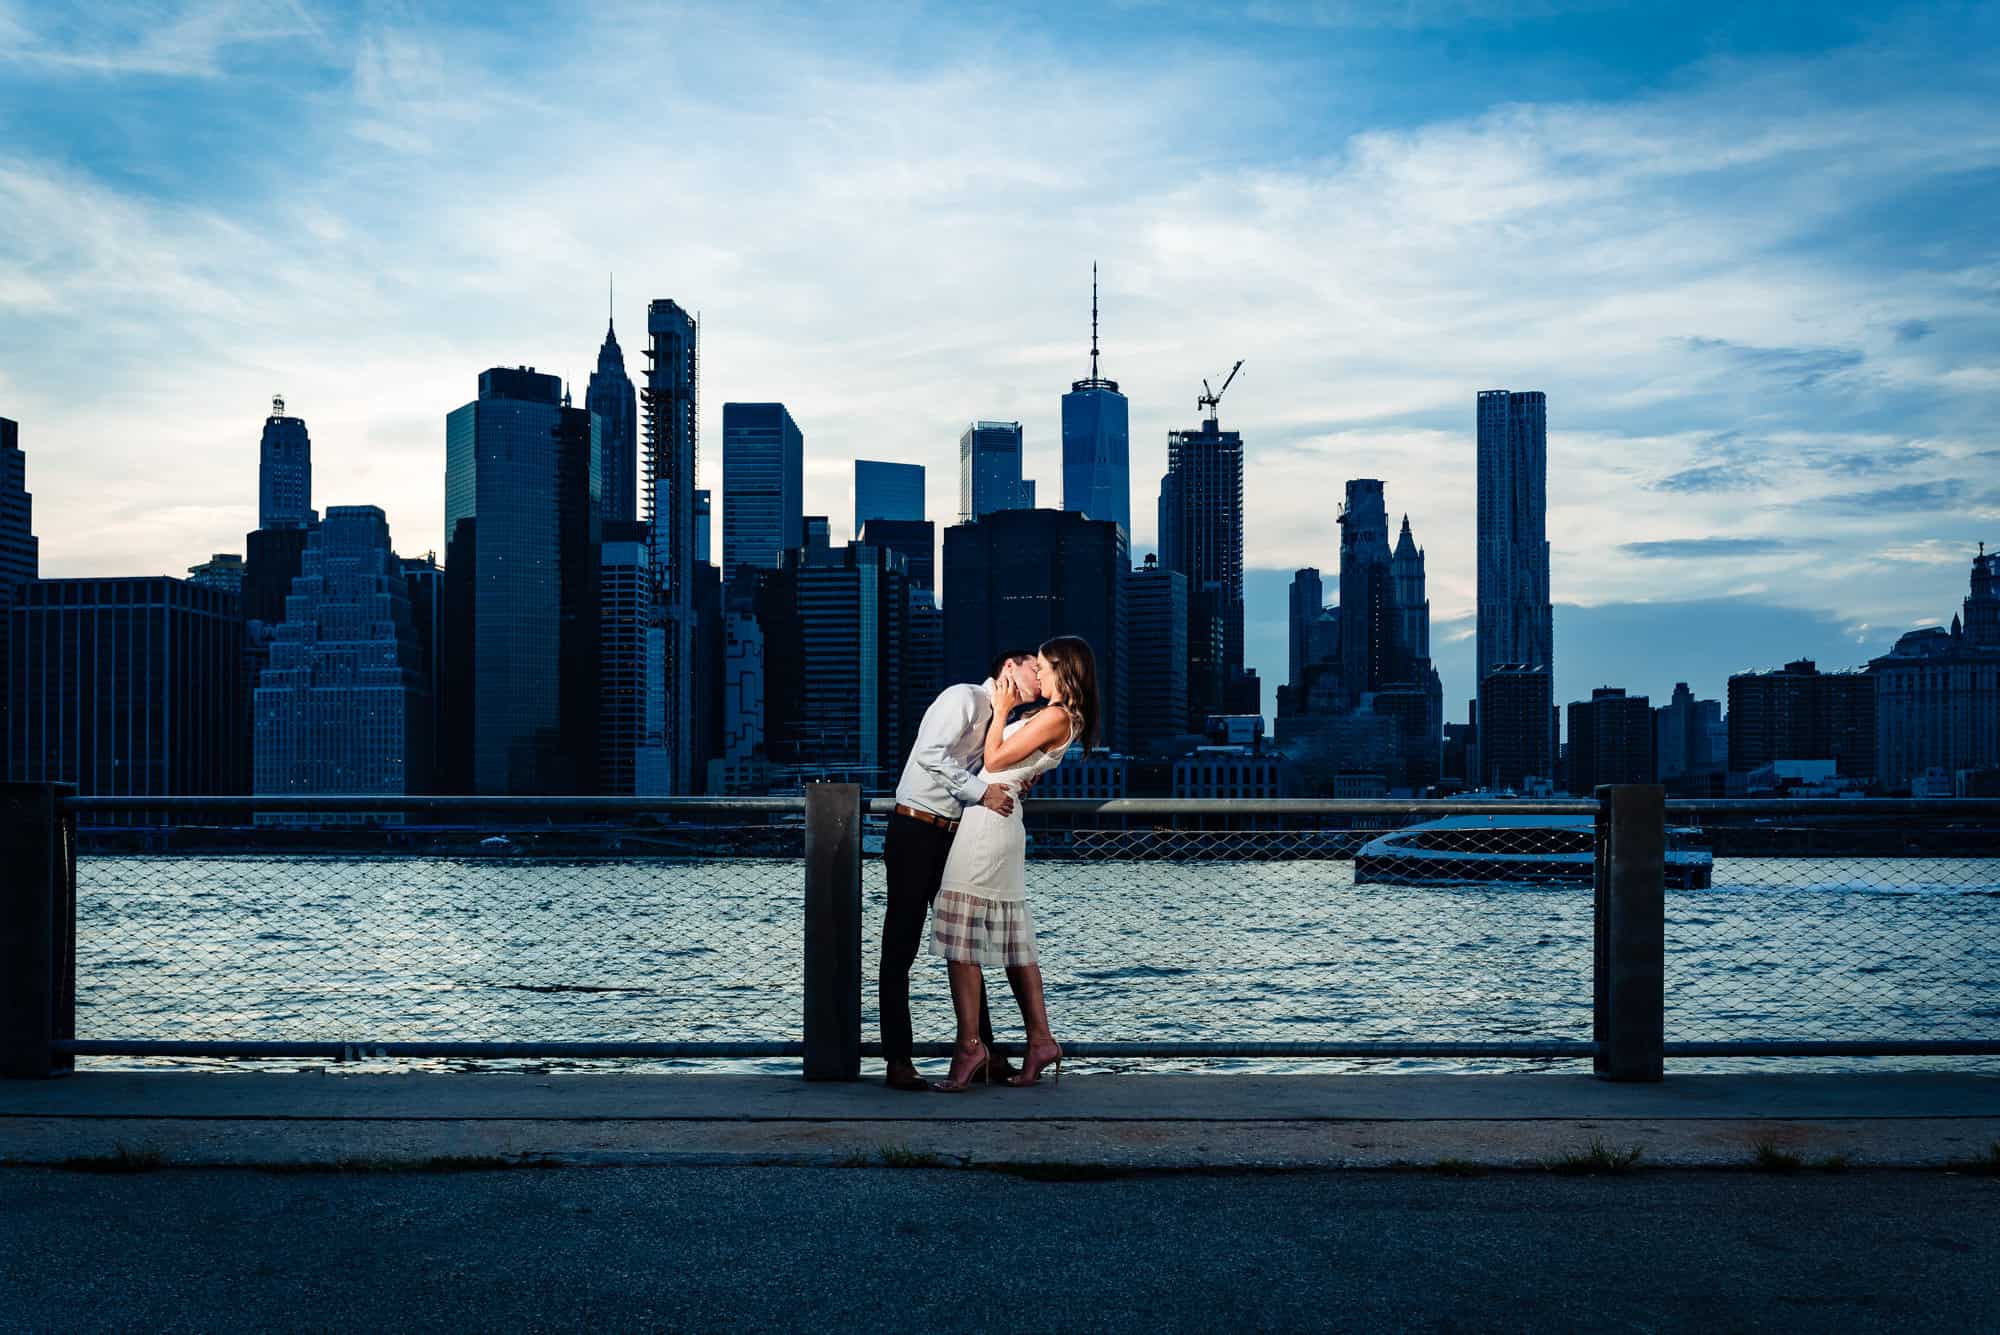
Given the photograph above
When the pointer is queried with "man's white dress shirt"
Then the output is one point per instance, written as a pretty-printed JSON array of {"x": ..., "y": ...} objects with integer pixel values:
[{"x": 942, "y": 775}]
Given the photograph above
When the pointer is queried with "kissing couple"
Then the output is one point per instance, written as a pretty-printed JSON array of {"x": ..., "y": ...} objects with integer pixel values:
[{"x": 957, "y": 846}]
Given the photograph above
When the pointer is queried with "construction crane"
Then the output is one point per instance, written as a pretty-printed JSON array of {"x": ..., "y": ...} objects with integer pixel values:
[{"x": 1211, "y": 397}]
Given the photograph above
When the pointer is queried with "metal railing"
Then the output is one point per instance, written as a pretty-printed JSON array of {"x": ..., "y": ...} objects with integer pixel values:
[{"x": 1616, "y": 929}]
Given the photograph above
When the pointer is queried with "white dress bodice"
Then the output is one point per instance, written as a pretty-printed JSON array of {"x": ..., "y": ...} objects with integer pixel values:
[{"x": 989, "y": 854}]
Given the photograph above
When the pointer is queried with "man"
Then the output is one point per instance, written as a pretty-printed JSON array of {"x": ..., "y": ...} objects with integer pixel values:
[{"x": 940, "y": 780}]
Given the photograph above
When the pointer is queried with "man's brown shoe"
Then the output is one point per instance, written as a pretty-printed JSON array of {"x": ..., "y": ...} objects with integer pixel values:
[
  {"x": 1004, "y": 1069},
  {"x": 903, "y": 1075}
]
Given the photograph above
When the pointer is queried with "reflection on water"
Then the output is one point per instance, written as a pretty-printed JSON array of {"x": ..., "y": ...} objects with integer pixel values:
[{"x": 371, "y": 949}]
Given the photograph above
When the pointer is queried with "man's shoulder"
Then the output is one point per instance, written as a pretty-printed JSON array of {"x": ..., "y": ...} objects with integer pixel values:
[{"x": 961, "y": 690}]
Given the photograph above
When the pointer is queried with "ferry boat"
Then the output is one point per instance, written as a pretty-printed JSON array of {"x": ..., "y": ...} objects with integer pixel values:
[{"x": 1510, "y": 850}]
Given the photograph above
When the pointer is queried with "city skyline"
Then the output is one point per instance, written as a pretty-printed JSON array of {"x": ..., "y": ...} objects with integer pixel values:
[{"x": 1759, "y": 394}]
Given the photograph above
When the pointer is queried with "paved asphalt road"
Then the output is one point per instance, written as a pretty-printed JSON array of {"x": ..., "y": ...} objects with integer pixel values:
[{"x": 884, "y": 1249}]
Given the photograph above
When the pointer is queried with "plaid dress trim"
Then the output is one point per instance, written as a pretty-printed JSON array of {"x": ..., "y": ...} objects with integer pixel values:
[{"x": 992, "y": 933}]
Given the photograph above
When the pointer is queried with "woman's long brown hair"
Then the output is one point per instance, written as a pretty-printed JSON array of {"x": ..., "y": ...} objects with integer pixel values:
[{"x": 1076, "y": 674}]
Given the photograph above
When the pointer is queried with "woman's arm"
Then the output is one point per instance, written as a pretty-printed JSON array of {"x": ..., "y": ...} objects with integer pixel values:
[{"x": 1003, "y": 752}]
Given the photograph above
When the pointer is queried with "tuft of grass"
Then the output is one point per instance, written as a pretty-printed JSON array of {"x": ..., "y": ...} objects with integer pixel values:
[
  {"x": 1595, "y": 1161},
  {"x": 1457, "y": 1168},
  {"x": 902, "y": 1156},
  {"x": 1766, "y": 1157},
  {"x": 120, "y": 1160},
  {"x": 436, "y": 1163},
  {"x": 1986, "y": 1165}
]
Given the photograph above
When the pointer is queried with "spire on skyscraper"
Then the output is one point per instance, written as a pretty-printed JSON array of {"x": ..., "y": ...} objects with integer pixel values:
[{"x": 1093, "y": 319}]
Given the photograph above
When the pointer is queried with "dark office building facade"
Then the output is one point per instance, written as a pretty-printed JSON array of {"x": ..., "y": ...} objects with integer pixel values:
[
  {"x": 1156, "y": 658},
  {"x": 763, "y": 485},
  {"x": 128, "y": 687},
  {"x": 610, "y": 395},
  {"x": 989, "y": 471},
  {"x": 1201, "y": 536},
  {"x": 20, "y": 557},
  {"x": 284, "y": 471},
  {"x": 1017, "y": 577},
  {"x": 885, "y": 490},
  {"x": 521, "y": 589},
  {"x": 1798, "y": 712},
  {"x": 1516, "y": 727},
  {"x": 1610, "y": 740},
  {"x": 915, "y": 540}
]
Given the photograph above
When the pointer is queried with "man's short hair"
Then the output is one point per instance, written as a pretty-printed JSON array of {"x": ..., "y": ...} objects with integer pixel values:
[{"x": 1006, "y": 656}]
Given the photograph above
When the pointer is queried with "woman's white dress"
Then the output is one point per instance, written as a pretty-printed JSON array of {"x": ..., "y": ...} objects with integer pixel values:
[{"x": 981, "y": 915}]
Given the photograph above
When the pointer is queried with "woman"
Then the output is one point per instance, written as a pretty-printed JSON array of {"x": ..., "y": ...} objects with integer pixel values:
[{"x": 981, "y": 916}]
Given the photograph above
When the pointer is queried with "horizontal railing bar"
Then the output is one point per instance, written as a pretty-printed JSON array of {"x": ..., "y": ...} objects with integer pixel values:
[
  {"x": 1681, "y": 810},
  {"x": 534, "y": 805},
  {"x": 149, "y": 1047},
  {"x": 1757, "y": 1047},
  {"x": 1302, "y": 1050}
]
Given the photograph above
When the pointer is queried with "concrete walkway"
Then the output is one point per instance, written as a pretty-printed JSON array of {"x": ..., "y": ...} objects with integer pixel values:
[{"x": 1112, "y": 1121}]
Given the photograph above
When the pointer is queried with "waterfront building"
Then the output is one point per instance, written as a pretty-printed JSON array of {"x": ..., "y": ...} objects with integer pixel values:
[
  {"x": 20, "y": 560},
  {"x": 1798, "y": 712},
  {"x": 1096, "y": 443},
  {"x": 1100, "y": 776},
  {"x": 763, "y": 485},
  {"x": 1610, "y": 740},
  {"x": 835, "y": 625},
  {"x": 1937, "y": 694},
  {"x": 1156, "y": 658},
  {"x": 224, "y": 570},
  {"x": 522, "y": 589},
  {"x": 887, "y": 491},
  {"x": 631, "y": 694},
  {"x": 423, "y": 580},
  {"x": 915, "y": 540},
  {"x": 669, "y": 456},
  {"x": 1690, "y": 744},
  {"x": 342, "y": 707},
  {"x": 611, "y": 397},
  {"x": 127, "y": 687},
  {"x": 1201, "y": 536},
  {"x": 1017, "y": 577},
  {"x": 741, "y": 766},
  {"x": 284, "y": 471},
  {"x": 1515, "y": 619},
  {"x": 989, "y": 470},
  {"x": 1230, "y": 772},
  {"x": 1515, "y": 728}
]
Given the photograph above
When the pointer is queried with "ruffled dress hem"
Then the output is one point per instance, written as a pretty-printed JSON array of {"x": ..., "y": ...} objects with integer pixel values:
[{"x": 972, "y": 929}]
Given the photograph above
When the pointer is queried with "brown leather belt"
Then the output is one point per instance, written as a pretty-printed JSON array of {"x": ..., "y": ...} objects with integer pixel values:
[{"x": 927, "y": 817}]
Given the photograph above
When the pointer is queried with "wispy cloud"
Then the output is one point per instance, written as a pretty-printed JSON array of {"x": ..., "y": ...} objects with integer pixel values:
[
  {"x": 1705, "y": 549},
  {"x": 191, "y": 40}
]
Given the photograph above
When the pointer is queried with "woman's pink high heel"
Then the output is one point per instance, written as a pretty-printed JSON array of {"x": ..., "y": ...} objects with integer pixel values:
[
  {"x": 1031, "y": 1070},
  {"x": 979, "y": 1067}
]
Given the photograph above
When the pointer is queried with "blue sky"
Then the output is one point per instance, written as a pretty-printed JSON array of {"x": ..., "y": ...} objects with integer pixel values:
[{"x": 1747, "y": 251}]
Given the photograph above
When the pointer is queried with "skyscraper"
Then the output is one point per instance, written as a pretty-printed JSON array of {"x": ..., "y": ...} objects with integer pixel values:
[
  {"x": 1800, "y": 713},
  {"x": 224, "y": 570},
  {"x": 423, "y": 578},
  {"x": 1096, "y": 442},
  {"x": 521, "y": 574},
  {"x": 1307, "y": 599},
  {"x": 1516, "y": 734},
  {"x": 343, "y": 705},
  {"x": 284, "y": 471},
  {"x": 667, "y": 503},
  {"x": 1689, "y": 745},
  {"x": 1516, "y": 624},
  {"x": 887, "y": 491},
  {"x": 1201, "y": 536},
  {"x": 915, "y": 539},
  {"x": 763, "y": 485},
  {"x": 631, "y": 694},
  {"x": 704, "y": 512},
  {"x": 989, "y": 470},
  {"x": 1018, "y": 577},
  {"x": 127, "y": 687},
  {"x": 610, "y": 395},
  {"x": 1156, "y": 657},
  {"x": 20, "y": 559},
  {"x": 835, "y": 624}
]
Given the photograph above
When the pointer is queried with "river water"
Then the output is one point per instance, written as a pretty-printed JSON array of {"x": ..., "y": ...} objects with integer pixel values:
[{"x": 387, "y": 948}]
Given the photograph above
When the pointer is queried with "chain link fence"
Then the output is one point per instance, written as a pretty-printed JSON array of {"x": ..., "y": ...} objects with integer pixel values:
[
  {"x": 1837, "y": 929},
  {"x": 1229, "y": 927},
  {"x": 666, "y": 935}
]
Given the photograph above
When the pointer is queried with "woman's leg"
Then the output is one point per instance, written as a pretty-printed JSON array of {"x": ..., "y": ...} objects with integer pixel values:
[
  {"x": 968, "y": 998},
  {"x": 1026, "y": 980}
]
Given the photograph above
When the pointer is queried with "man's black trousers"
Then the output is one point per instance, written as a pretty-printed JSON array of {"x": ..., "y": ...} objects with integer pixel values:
[{"x": 913, "y": 855}]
